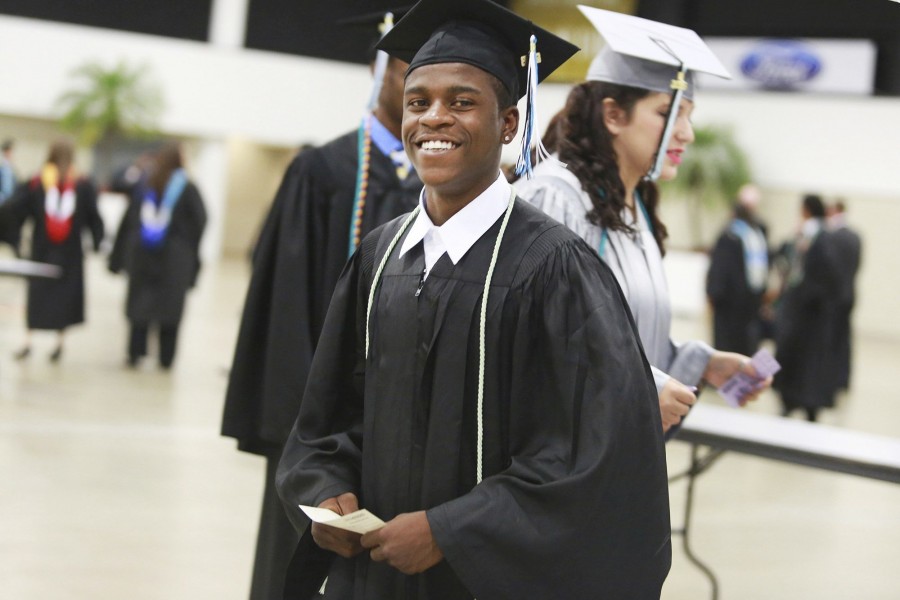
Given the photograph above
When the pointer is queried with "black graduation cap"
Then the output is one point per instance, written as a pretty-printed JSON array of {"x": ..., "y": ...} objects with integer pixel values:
[
  {"x": 373, "y": 20},
  {"x": 375, "y": 24},
  {"x": 476, "y": 32}
]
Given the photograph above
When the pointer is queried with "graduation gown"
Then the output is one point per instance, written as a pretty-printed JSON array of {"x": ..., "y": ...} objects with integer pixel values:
[
  {"x": 635, "y": 260},
  {"x": 804, "y": 334},
  {"x": 303, "y": 245},
  {"x": 56, "y": 303},
  {"x": 159, "y": 278},
  {"x": 737, "y": 325},
  {"x": 574, "y": 501},
  {"x": 302, "y": 248}
]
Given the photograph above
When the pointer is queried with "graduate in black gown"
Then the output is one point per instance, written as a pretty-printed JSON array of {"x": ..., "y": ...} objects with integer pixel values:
[
  {"x": 61, "y": 206},
  {"x": 737, "y": 277},
  {"x": 329, "y": 198},
  {"x": 158, "y": 245},
  {"x": 804, "y": 324},
  {"x": 479, "y": 383}
]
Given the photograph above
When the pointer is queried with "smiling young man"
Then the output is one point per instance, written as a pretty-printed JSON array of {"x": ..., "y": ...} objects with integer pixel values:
[{"x": 479, "y": 384}]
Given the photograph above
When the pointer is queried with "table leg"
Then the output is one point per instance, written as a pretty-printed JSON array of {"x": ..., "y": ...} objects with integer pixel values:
[{"x": 698, "y": 465}]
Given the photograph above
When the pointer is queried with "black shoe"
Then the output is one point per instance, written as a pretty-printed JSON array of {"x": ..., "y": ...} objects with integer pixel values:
[
  {"x": 57, "y": 354},
  {"x": 132, "y": 362},
  {"x": 23, "y": 353}
]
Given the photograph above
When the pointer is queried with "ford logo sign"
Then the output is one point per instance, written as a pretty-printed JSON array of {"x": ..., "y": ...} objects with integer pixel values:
[{"x": 781, "y": 64}]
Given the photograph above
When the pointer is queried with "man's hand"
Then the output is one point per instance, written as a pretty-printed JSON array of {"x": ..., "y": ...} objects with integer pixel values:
[
  {"x": 723, "y": 365},
  {"x": 675, "y": 400},
  {"x": 344, "y": 543},
  {"x": 405, "y": 542}
]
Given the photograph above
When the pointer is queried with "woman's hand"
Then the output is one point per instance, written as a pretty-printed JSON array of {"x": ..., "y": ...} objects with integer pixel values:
[
  {"x": 723, "y": 365},
  {"x": 675, "y": 400}
]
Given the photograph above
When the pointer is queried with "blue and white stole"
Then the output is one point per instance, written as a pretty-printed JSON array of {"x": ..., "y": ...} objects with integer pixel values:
[
  {"x": 156, "y": 215},
  {"x": 756, "y": 254}
]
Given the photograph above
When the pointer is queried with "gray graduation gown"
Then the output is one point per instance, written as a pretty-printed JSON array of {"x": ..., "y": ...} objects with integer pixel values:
[{"x": 637, "y": 264}]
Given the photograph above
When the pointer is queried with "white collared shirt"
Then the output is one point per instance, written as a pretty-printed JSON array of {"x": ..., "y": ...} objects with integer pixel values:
[{"x": 462, "y": 230}]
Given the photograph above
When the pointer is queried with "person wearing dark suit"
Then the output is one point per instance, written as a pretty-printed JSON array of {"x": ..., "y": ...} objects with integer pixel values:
[{"x": 848, "y": 256}]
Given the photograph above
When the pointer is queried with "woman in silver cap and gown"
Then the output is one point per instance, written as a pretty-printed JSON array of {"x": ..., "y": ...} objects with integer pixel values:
[{"x": 608, "y": 139}]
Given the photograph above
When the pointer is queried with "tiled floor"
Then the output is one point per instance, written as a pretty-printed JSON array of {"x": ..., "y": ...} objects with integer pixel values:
[{"x": 115, "y": 484}]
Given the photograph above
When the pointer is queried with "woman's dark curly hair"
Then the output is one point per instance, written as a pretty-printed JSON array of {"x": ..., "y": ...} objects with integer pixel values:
[{"x": 585, "y": 145}]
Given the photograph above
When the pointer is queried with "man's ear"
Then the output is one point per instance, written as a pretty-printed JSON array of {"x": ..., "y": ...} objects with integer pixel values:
[
  {"x": 510, "y": 118},
  {"x": 614, "y": 117}
]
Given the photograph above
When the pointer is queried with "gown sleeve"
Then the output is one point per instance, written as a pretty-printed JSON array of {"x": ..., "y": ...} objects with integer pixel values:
[
  {"x": 323, "y": 454},
  {"x": 118, "y": 256},
  {"x": 16, "y": 209},
  {"x": 195, "y": 227},
  {"x": 561, "y": 201},
  {"x": 724, "y": 270},
  {"x": 689, "y": 361},
  {"x": 275, "y": 340},
  {"x": 581, "y": 510},
  {"x": 92, "y": 219}
]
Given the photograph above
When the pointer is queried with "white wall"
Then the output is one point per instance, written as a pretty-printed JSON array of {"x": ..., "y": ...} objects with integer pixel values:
[
  {"x": 209, "y": 91},
  {"x": 838, "y": 146}
]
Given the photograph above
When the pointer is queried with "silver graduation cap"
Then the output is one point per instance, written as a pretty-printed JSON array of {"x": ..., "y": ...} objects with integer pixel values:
[{"x": 645, "y": 54}]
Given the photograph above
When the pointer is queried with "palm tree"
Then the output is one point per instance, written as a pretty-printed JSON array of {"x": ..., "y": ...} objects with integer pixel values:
[
  {"x": 714, "y": 168},
  {"x": 113, "y": 109}
]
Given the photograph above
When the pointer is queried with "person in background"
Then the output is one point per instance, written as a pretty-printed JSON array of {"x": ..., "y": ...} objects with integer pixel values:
[
  {"x": 126, "y": 179},
  {"x": 848, "y": 256},
  {"x": 9, "y": 232},
  {"x": 805, "y": 315},
  {"x": 158, "y": 246},
  {"x": 478, "y": 384},
  {"x": 738, "y": 276},
  {"x": 7, "y": 172},
  {"x": 60, "y": 204},
  {"x": 330, "y": 197},
  {"x": 601, "y": 184}
]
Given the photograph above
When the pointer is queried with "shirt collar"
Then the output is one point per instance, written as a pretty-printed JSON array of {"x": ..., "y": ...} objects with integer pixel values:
[
  {"x": 811, "y": 227},
  {"x": 383, "y": 138},
  {"x": 464, "y": 228}
]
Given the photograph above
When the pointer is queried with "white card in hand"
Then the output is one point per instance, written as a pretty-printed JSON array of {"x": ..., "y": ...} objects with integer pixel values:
[{"x": 361, "y": 521}]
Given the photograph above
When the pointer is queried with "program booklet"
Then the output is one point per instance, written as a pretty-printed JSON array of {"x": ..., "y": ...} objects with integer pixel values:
[{"x": 361, "y": 521}]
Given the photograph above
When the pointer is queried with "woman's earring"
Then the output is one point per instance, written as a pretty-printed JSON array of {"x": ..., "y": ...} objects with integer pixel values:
[{"x": 506, "y": 139}]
